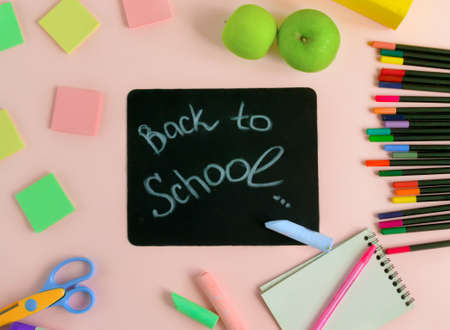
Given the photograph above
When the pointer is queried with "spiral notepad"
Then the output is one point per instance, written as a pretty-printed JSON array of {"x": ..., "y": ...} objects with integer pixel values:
[{"x": 378, "y": 296}]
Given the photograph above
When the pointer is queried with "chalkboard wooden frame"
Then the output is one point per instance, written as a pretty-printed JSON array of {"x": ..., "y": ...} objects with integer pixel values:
[{"x": 210, "y": 166}]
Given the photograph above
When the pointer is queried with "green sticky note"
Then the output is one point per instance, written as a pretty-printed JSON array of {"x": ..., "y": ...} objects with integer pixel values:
[
  {"x": 10, "y": 34},
  {"x": 44, "y": 203},
  {"x": 10, "y": 141},
  {"x": 69, "y": 23},
  {"x": 194, "y": 311}
]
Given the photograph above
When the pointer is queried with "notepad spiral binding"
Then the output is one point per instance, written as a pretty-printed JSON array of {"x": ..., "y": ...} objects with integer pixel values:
[{"x": 389, "y": 269}]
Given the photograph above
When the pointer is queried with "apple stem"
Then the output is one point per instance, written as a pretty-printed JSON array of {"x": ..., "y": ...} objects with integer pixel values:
[{"x": 303, "y": 39}]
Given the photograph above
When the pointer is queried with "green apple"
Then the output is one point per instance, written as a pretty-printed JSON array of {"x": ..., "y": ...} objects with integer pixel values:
[
  {"x": 308, "y": 40},
  {"x": 249, "y": 32}
]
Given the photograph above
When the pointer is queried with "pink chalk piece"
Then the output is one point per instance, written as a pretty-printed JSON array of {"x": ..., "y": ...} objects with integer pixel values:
[
  {"x": 144, "y": 12},
  {"x": 390, "y": 224},
  {"x": 387, "y": 98},
  {"x": 221, "y": 303},
  {"x": 77, "y": 111}
]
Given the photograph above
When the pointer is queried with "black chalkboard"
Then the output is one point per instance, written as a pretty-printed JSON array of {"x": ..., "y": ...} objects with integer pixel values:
[{"x": 210, "y": 166}]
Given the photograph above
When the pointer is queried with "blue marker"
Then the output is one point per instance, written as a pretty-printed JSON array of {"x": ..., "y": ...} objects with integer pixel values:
[
  {"x": 392, "y": 117},
  {"x": 396, "y": 147}
]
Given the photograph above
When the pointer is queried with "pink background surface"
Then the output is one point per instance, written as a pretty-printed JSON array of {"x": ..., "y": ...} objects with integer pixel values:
[{"x": 131, "y": 283}]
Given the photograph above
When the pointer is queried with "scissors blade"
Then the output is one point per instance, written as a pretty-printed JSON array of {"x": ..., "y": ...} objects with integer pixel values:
[{"x": 30, "y": 305}]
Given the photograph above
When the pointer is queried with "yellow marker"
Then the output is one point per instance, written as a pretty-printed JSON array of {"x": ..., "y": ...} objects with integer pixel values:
[
  {"x": 392, "y": 60},
  {"x": 387, "y": 12},
  {"x": 404, "y": 199}
]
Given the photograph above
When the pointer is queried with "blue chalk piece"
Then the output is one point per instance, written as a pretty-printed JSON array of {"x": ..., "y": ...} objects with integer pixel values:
[
  {"x": 301, "y": 234},
  {"x": 392, "y": 117},
  {"x": 396, "y": 147},
  {"x": 384, "y": 84}
]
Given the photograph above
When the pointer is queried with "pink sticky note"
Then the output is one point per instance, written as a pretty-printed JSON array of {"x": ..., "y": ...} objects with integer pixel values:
[
  {"x": 144, "y": 12},
  {"x": 77, "y": 111}
]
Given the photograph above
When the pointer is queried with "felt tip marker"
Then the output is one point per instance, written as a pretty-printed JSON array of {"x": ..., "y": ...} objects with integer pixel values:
[
  {"x": 418, "y": 247},
  {"x": 410, "y": 110},
  {"x": 417, "y": 80},
  {"x": 420, "y": 155},
  {"x": 417, "y": 171},
  {"x": 417, "y": 117},
  {"x": 408, "y": 137},
  {"x": 420, "y": 198},
  {"x": 393, "y": 131},
  {"x": 395, "y": 46},
  {"x": 414, "y": 221},
  {"x": 422, "y": 99},
  {"x": 414, "y": 55},
  {"x": 413, "y": 123},
  {"x": 414, "y": 62},
  {"x": 351, "y": 278},
  {"x": 421, "y": 191},
  {"x": 414, "y": 73},
  {"x": 413, "y": 229},
  {"x": 415, "y": 86},
  {"x": 417, "y": 147},
  {"x": 407, "y": 162},
  {"x": 414, "y": 211},
  {"x": 421, "y": 183}
]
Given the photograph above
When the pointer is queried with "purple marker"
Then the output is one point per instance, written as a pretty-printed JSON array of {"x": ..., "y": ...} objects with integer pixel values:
[
  {"x": 396, "y": 124},
  {"x": 23, "y": 326}
]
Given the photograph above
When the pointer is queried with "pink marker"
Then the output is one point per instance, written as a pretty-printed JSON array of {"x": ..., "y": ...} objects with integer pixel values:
[
  {"x": 322, "y": 320},
  {"x": 221, "y": 304}
]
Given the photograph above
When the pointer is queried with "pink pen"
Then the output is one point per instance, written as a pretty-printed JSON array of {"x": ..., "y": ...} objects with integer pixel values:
[{"x": 344, "y": 288}]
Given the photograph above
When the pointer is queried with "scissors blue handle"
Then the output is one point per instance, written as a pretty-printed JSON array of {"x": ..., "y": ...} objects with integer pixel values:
[{"x": 71, "y": 287}]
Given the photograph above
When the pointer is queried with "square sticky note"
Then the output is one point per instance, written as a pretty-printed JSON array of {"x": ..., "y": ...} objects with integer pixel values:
[
  {"x": 10, "y": 141},
  {"x": 77, "y": 111},
  {"x": 143, "y": 12},
  {"x": 10, "y": 34},
  {"x": 44, "y": 203},
  {"x": 69, "y": 23}
]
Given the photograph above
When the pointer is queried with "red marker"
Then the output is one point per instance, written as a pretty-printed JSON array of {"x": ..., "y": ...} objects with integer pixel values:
[
  {"x": 414, "y": 73},
  {"x": 407, "y": 162},
  {"x": 421, "y": 183},
  {"x": 418, "y": 247}
]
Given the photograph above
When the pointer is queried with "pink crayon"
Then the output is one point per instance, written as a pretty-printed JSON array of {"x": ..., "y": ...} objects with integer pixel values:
[{"x": 221, "y": 303}]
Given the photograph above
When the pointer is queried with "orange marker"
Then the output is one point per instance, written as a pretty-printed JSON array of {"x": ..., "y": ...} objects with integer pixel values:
[{"x": 407, "y": 192}]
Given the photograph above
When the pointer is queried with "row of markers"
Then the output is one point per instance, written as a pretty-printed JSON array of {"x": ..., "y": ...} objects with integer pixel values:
[{"x": 415, "y": 124}]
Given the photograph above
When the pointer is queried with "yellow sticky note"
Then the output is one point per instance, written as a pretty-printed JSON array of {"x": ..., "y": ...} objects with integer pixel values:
[
  {"x": 10, "y": 141},
  {"x": 387, "y": 12},
  {"x": 69, "y": 23}
]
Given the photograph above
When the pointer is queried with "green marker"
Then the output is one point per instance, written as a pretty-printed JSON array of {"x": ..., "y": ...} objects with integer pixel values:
[
  {"x": 393, "y": 131},
  {"x": 419, "y": 155},
  {"x": 194, "y": 311},
  {"x": 406, "y": 137},
  {"x": 412, "y": 229},
  {"x": 416, "y": 171}
]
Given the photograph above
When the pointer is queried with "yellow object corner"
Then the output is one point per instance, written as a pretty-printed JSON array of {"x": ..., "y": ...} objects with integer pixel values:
[
  {"x": 387, "y": 12},
  {"x": 404, "y": 199},
  {"x": 10, "y": 140},
  {"x": 391, "y": 60}
]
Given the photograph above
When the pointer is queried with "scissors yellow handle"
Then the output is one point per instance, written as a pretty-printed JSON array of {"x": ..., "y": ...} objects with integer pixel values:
[{"x": 30, "y": 305}]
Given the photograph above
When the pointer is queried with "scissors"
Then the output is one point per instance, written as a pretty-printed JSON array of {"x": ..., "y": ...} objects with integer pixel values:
[{"x": 52, "y": 294}]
